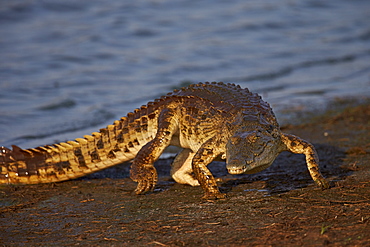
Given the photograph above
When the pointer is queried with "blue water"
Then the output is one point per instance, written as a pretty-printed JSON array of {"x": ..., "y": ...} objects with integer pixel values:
[{"x": 68, "y": 68}]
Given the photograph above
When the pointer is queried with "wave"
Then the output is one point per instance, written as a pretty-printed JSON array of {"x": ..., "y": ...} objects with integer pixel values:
[{"x": 289, "y": 69}]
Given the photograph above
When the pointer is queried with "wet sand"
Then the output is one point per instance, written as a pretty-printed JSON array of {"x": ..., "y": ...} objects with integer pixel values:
[{"x": 280, "y": 206}]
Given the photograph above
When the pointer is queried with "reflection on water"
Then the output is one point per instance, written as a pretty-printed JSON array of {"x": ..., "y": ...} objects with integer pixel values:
[{"x": 70, "y": 67}]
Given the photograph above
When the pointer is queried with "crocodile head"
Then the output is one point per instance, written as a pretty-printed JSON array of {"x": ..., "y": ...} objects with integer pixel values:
[{"x": 252, "y": 151}]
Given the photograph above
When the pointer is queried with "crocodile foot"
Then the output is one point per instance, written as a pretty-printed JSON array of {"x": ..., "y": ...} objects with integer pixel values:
[
  {"x": 214, "y": 196},
  {"x": 323, "y": 183},
  {"x": 146, "y": 176}
]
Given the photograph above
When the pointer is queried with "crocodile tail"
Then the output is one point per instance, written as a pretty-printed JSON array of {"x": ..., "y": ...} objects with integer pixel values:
[{"x": 114, "y": 144}]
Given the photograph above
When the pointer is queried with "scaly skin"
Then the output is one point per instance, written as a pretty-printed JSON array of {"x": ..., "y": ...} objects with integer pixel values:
[{"x": 207, "y": 120}]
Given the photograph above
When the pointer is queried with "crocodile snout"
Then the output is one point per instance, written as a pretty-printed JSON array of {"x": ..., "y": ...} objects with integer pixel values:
[{"x": 236, "y": 166}]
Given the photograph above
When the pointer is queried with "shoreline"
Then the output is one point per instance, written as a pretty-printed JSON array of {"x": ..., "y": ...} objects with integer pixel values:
[{"x": 278, "y": 206}]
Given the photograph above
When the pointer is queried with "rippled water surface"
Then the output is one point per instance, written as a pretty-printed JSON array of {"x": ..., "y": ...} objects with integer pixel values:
[{"x": 68, "y": 68}]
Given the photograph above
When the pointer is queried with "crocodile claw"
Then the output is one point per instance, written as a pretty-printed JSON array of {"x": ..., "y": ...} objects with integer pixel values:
[
  {"x": 214, "y": 196},
  {"x": 146, "y": 176},
  {"x": 323, "y": 183}
]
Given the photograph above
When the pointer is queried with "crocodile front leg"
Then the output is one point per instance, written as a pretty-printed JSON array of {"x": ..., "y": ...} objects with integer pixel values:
[
  {"x": 300, "y": 146},
  {"x": 205, "y": 155},
  {"x": 142, "y": 168}
]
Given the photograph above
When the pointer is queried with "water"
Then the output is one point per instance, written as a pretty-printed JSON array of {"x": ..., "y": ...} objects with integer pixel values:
[{"x": 68, "y": 68}]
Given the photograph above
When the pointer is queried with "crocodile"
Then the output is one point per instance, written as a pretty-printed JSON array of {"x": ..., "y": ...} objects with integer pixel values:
[{"x": 207, "y": 120}]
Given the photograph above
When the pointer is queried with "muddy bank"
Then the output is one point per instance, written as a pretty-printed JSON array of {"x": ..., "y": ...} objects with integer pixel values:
[{"x": 279, "y": 206}]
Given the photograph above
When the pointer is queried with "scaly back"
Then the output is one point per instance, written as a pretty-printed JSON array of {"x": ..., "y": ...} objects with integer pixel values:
[{"x": 232, "y": 98}]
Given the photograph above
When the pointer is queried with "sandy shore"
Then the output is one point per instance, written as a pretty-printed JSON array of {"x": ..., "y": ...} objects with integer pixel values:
[{"x": 280, "y": 206}]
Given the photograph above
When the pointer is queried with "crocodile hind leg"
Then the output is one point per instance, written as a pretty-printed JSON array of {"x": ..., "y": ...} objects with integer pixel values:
[
  {"x": 205, "y": 155},
  {"x": 300, "y": 146},
  {"x": 182, "y": 169},
  {"x": 142, "y": 168}
]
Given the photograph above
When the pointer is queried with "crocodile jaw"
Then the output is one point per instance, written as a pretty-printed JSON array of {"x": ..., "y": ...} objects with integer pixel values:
[{"x": 234, "y": 168}]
